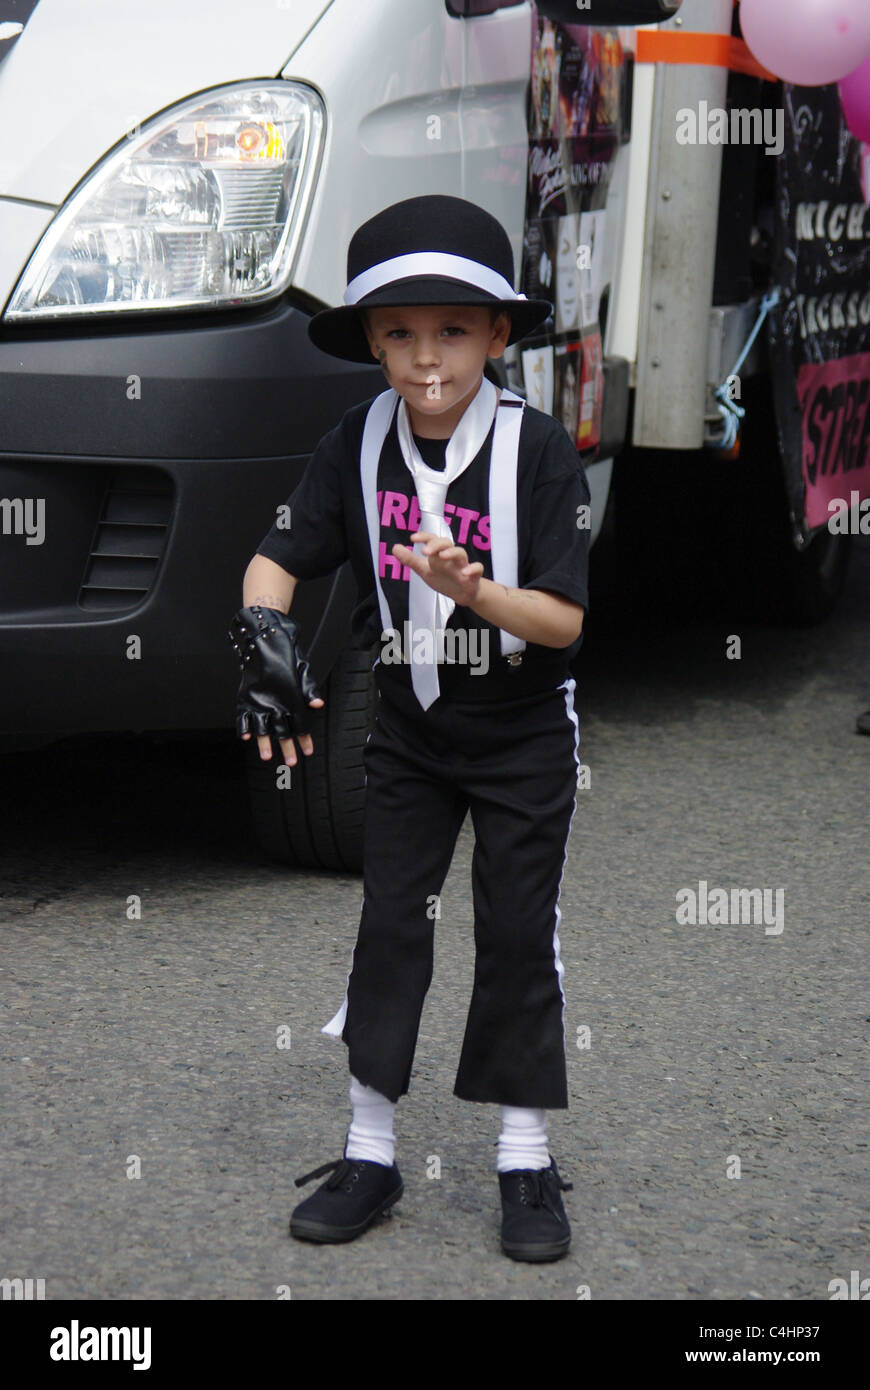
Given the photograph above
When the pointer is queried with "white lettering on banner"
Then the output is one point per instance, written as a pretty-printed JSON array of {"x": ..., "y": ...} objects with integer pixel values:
[
  {"x": 821, "y": 222},
  {"x": 821, "y": 313}
]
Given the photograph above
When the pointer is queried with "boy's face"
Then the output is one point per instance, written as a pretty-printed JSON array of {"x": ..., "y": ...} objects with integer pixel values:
[{"x": 434, "y": 355}]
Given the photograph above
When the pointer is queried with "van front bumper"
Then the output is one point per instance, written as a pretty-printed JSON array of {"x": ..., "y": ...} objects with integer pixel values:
[{"x": 139, "y": 470}]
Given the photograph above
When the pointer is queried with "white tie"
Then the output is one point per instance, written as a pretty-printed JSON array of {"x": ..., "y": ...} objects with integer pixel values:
[{"x": 428, "y": 610}]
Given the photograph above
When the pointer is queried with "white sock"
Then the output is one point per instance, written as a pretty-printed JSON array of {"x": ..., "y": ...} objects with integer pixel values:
[
  {"x": 523, "y": 1139},
  {"x": 371, "y": 1130}
]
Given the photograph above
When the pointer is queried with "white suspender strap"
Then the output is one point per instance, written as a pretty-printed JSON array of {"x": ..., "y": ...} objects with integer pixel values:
[
  {"x": 502, "y": 494},
  {"x": 378, "y": 420},
  {"x": 503, "y": 501}
]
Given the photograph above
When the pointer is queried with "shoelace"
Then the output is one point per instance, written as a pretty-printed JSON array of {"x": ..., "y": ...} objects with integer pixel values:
[
  {"x": 343, "y": 1167},
  {"x": 540, "y": 1194}
]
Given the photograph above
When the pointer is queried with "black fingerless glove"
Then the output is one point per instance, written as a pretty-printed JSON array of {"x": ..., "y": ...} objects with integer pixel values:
[{"x": 276, "y": 681}]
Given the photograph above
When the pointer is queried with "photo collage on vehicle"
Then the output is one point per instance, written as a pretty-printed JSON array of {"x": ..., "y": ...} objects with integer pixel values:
[{"x": 575, "y": 124}]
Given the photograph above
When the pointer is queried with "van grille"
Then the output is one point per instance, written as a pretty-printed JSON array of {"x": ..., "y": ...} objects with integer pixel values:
[{"x": 129, "y": 540}]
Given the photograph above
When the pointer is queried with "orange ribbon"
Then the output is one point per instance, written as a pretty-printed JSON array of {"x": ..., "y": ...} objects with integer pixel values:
[{"x": 707, "y": 50}]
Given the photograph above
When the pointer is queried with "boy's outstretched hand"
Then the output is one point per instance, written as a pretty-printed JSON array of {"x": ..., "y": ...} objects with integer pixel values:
[
  {"x": 443, "y": 565},
  {"x": 288, "y": 748},
  {"x": 277, "y": 688}
]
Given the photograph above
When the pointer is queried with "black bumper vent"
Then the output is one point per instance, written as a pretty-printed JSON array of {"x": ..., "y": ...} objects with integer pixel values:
[{"x": 129, "y": 541}]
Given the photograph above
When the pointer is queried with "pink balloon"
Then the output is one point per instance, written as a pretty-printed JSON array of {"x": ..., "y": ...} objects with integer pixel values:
[
  {"x": 855, "y": 96},
  {"x": 808, "y": 42}
]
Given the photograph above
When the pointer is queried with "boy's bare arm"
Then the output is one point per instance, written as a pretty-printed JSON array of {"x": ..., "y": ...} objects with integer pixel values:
[
  {"x": 535, "y": 615},
  {"x": 268, "y": 584}
]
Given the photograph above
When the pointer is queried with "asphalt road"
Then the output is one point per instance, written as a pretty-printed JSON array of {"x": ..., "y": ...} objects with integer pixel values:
[{"x": 710, "y": 1044}]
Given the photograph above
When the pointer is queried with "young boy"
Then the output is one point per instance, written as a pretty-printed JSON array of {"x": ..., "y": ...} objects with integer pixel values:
[{"x": 478, "y": 624}]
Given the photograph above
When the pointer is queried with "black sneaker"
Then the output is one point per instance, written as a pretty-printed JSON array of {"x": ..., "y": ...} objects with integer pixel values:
[
  {"x": 356, "y": 1194},
  {"x": 862, "y": 723},
  {"x": 534, "y": 1225}
]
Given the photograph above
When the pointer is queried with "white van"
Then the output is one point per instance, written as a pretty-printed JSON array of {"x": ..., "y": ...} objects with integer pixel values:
[
  {"x": 179, "y": 181},
  {"x": 178, "y": 185}
]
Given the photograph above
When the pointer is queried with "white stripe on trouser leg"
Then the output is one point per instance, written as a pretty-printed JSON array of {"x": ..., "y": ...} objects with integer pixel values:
[
  {"x": 523, "y": 1139},
  {"x": 335, "y": 1026},
  {"x": 371, "y": 1130},
  {"x": 569, "y": 686}
]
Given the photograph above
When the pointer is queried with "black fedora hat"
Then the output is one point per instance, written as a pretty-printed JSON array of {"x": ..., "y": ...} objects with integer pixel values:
[{"x": 433, "y": 249}]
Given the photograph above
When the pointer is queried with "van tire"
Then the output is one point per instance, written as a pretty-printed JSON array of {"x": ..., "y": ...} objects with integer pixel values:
[{"x": 317, "y": 822}]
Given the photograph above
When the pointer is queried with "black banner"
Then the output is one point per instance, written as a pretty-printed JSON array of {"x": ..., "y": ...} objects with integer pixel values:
[{"x": 819, "y": 333}]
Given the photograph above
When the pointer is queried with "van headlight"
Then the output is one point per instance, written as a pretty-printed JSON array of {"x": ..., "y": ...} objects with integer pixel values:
[{"x": 204, "y": 205}]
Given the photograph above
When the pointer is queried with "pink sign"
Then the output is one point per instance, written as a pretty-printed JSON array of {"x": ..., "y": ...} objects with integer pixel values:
[{"x": 835, "y": 404}]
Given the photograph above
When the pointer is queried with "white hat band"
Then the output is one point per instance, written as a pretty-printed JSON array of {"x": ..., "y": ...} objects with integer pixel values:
[{"x": 419, "y": 263}]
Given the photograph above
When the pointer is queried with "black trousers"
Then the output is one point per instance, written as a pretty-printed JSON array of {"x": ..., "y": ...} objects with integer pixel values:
[{"x": 514, "y": 765}]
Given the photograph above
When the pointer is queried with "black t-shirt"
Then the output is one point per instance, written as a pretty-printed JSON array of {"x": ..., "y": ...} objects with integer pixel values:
[{"x": 327, "y": 525}]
